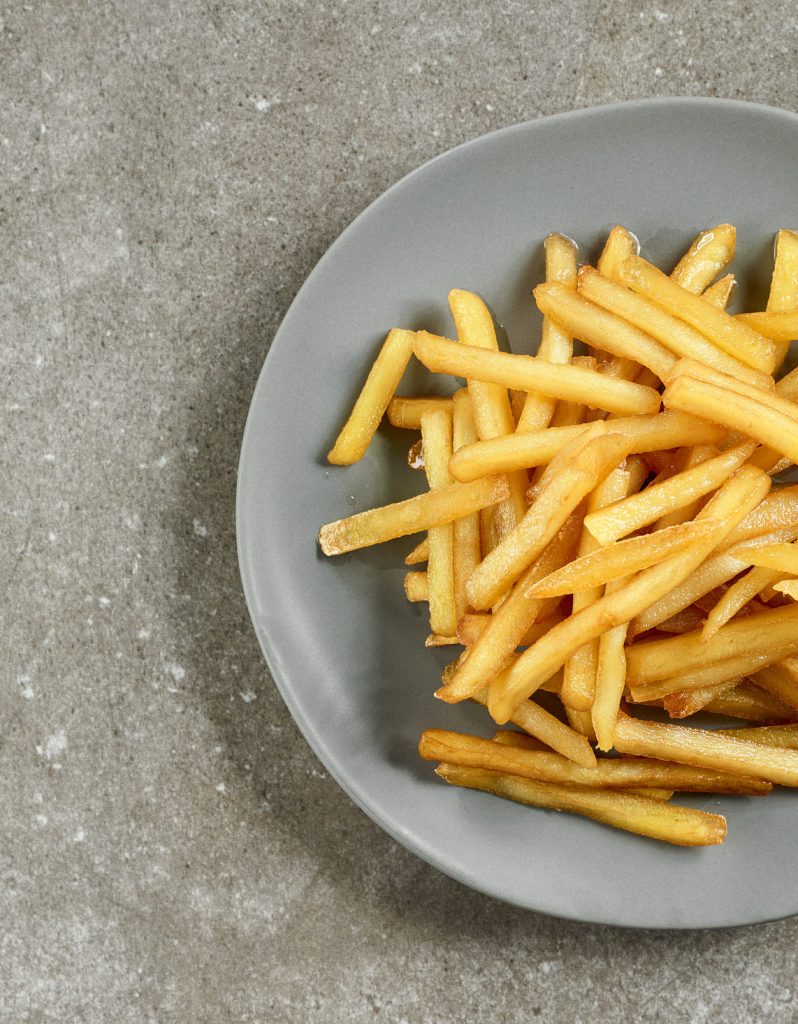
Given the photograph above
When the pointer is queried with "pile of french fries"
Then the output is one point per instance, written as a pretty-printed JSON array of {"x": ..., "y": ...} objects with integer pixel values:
[{"x": 603, "y": 524}]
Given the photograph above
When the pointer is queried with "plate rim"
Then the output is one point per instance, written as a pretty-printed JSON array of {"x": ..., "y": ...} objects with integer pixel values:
[{"x": 314, "y": 739}]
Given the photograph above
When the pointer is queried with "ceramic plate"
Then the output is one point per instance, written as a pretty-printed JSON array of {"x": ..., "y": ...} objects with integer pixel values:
[{"x": 343, "y": 645}]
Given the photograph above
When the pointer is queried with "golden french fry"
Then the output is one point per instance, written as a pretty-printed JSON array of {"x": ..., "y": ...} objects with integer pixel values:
[
  {"x": 416, "y": 586},
  {"x": 624, "y": 558},
  {"x": 473, "y": 624},
  {"x": 373, "y": 400},
  {"x": 467, "y": 543},
  {"x": 737, "y": 597},
  {"x": 602, "y": 329},
  {"x": 419, "y": 554},
  {"x": 777, "y": 512},
  {"x": 649, "y": 433},
  {"x": 614, "y": 773},
  {"x": 526, "y": 373},
  {"x": 751, "y": 703},
  {"x": 684, "y": 703},
  {"x": 512, "y": 738},
  {"x": 681, "y": 826},
  {"x": 784, "y": 282},
  {"x": 784, "y": 736},
  {"x": 706, "y": 750},
  {"x": 720, "y": 292},
  {"x": 610, "y": 682},
  {"x": 556, "y": 345},
  {"x": 782, "y": 558},
  {"x": 686, "y": 458},
  {"x": 774, "y": 629},
  {"x": 436, "y": 435},
  {"x": 620, "y": 245},
  {"x": 710, "y": 252},
  {"x": 541, "y": 724},
  {"x": 567, "y": 480},
  {"x": 443, "y": 505},
  {"x": 778, "y": 684},
  {"x": 682, "y": 622},
  {"x": 678, "y": 337},
  {"x": 788, "y": 587},
  {"x": 715, "y": 673},
  {"x": 440, "y": 640},
  {"x": 407, "y": 412},
  {"x": 638, "y": 510},
  {"x": 754, "y": 419},
  {"x": 735, "y": 338},
  {"x": 506, "y": 627},
  {"x": 781, "y": 327},
  {"x": 737, "y": 496}
]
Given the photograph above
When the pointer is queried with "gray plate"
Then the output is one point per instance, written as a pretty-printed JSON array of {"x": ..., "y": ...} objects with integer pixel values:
[{"x": 343, "y": 645}]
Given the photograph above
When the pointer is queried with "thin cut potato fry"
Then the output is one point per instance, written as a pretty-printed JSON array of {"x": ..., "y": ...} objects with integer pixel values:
[
  {"x": 711, "y": 251},
  {"x": 784, "y": 736},
  {"x": 433, "y": 508},
  {"x": 778, "y": 511},
  {"x": 720, "y": 292},
  {"x": 490, "y": 403},
  {"x": 523, "y": 451},
  {"x": 681, "y": 826},
  {"x": 620, "y": 245},
  {"x": 616, "y": 560},
  {"x": 566, "y": 481},
  {"x": 735, "y": 338},
  {"x": 419, "y": 554},
  {"x": 682, "y": 622},
  {"x": 779, "y": 685},
  {"x": 406, "y": 413},
  {"x": 526, "y": 373},
  {"x": 473, "y": 624},
  {"x": 775, "y": 628},
  {"x": 373, "y": 400},
  {"x": 436, "y": 435},
  {"x": 712, "y": 674},
  {"x": 440, "y": 640},
  {"x": 638, "y": 510},
  {"x": 706, "y": 750},
  {"x": 610, "y": 679},
  {"x": 781, "y": 557},
  {"x": 754, "y": 419},
  {"x": 601, "y": 329},
  {"x": 751, "y": 703},
  {"x": 556, "y": 344},
  {"x": 541, "y": 724},
  {"x": 737, "y": 597},
  {"x": 684, "y": 703},
  {"x": 784, "y": 282},
  {"x": 767, "y": 395},
  {"x": 686, "y": 458},
  {"x": 508, "y": 624},
  {"x": 781, "y": 327},
  {"x": 416, "y": 586},
  {"x": 678, "y": 337},
  {"x": 738, "y": 495},
  {"x": 615, "y": 773},
  {"x": 788, "y": 587},
  {"x": 467, "y": 542}
]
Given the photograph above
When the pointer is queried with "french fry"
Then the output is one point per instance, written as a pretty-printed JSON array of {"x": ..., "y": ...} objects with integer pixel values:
[
  {"x": 416, "y": 586},
  {"x": 784, "y": 736},
  {"x": 710, "y": 252},
  {"x": 678, "y": 337},
  {"x": 541, "y": 724},
  {"x": 373, "y": 400},
  {"x": 440, "y": 640},
  {"x": 749, "y": 702},
  {"x": 567, "y": 480},
  {"x": 788, "y": 587},
  {"x": 737, "y": 597},
  {"x": 684, "y": 703},
  {"x": 686, "y": 458},
  {"x": 623, "y": 558},
  {"x": 620, "y": 245},
  {"x": 419, "y": 554},
  {"x": 705, "y": 749},
  {"x": 506, "y": 627},
  {"x": 473, "y": 624},
  {"x": 782, "y": 558},
  {"x": 658, "y": 659},
  {"x": 467, "y": 543},
  {"x": 720, "y": 292},
  {"x": 681, "y": 826},
  {"x": 544, "y": 766},
  {"x": 715, "y": 673},
  {"x": 780, "y": 327},
  {"x": 556, "y": 345},
  {"x": 711, "y": 375},
  {"x": 777, "y": 512},
  {"x": 728, "y": 334},
  {"x": 436, "y": 434},
  {"x": 784, "y": 282},
  {"x": 601, "y": 329},
  {"x": 780, "y": 685},
  {"x": 754, "y": 419},
  {"x": 738, "y": 495},
  {"x": 490, "y": 403},
  {"x": 443, "y": 505},
  {"x": 649, "y": 433},
  {"x": 682, "y": 622},
  {"x": 526, "y": 373},
  {"x": 639, "y": 510},
  {"x": 610, "y": 679},
  {"x": 406, "y": 413}
]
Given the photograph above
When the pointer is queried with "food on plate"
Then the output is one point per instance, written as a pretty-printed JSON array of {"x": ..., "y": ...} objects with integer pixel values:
[{"x": 604, "y": 532}]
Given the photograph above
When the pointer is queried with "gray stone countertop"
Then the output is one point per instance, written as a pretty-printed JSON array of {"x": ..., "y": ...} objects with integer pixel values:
[{"x": 170, "y": 849}]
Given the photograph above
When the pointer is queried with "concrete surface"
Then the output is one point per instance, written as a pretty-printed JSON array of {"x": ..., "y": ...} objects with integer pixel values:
[{"x": 170, "y": 849}]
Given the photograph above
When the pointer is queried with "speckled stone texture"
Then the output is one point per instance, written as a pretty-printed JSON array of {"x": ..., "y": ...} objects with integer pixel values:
[{"x": 170, "y": 849}]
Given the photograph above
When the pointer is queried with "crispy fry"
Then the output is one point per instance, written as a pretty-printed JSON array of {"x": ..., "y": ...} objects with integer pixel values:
[
  {"x": 784, "y": 736},
  {"x": 737, "y": 496},
  {"x": 407, "y": 412},
  {"x": 784, "y": 282},
  {"x": 610, "y": 680},
  {"x": 681, "y": 826},
  {"x": 751, "y": 703},
  {"x": 567, "y": 480},
  {"x": 440, "y": 640},
  {"x": 416, "y": 586},
  {"x": 467, "y": 543},
  {"x": 473, "y": 624},
  {"x": 713, "y": 674},
  {"x": 736, "y": 597},
  {"x": 684, "y": 703},
  {"x": 436, "y": 434},
  {"x": 373, "y": 400},
  {"x": 781, "y": 557},
  {"x": 434, "y": 508},
  {"x": 781, "y": 327},
  {"x": 638, "y": 510},
  {"x": 720, "y": 292},
  {"x": 710, "y": 252},
  {"x": 682, "y": 622},
  {"x": 735, "y": 338},
  {"x": 620, "y": 245},
  {"x": 556, "y": 345},
  {"x": 777, "y": 512},
  {"x": 779, "y": 684},
  {"x": 788, "y": 587},
  {"x": 419, "y": 554}
]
